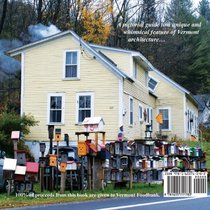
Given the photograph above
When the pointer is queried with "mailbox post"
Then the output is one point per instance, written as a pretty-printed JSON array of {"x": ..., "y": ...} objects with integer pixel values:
[
  {"x": 51, "y": 136},
  {"x": 63, "y": 165},
  {"x": 15, "y": 136},
  {"x": 57, "y": 139},
  {"x": 42, "y": 165}
]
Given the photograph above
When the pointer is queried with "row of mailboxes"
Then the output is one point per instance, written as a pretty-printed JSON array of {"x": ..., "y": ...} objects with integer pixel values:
[
  {"x": 53, "y": 162},
  {"x": 134, "y": 149},
  {"x": 24, "y": 187},
  {"x": 118, "y": 148},
  {"x": 137, "y": 176},
  {"x": 119, "y": 162},
  {"x": 149, "y": 176}
]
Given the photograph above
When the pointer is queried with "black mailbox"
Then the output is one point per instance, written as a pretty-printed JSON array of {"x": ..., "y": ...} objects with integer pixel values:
[
  {"x": 42, "y": 162},
  {"x": 42, "y": 147},
  {"x": 21, "y": 157},
  {"x": 64, "y": 157}
]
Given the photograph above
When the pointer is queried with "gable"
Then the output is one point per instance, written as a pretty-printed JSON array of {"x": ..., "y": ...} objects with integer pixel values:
[{"x": 83, "y": 45}]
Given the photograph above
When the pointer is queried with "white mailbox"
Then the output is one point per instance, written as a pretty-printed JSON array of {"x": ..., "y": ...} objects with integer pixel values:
[
  {"x": 94, "y": 124},
  {"x": 9, "y": 164}
]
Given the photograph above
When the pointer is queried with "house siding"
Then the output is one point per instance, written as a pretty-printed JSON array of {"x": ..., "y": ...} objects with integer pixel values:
[
  {"x": 140, "y": 96},
  {"x": 123, "y": 60},
  {"x": 170, "y": 97},
  {"x": 43, "y": 76}
]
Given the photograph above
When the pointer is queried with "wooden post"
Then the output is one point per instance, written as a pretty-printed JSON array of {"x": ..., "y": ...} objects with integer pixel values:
[
  {"x": 93, "y": 174},
  {"x": 41, "y": 177},
  {"x": 15, "y": 149},
  {"x": 82, "y": 174},
  {"x": 63, "y": 182},
  {"x": 89, "y": 173},
  {"x": 103, "y": 138},
  {"x": 71, "y": 183},
  {"x": 96, "y": 140},
  {"x": 131, "y": 176},
  {"x": 57, "y": 166}
]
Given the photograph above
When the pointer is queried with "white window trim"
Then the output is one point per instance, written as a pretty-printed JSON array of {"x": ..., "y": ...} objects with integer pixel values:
[
  {"x": 48, "y": 108},
  {"x": 141, "y": 119},
  {"x": 169, "y": 115},
  {"x": 77, "y": 104},
  {"x": 149, "y": 77},
  {"x": 78, "y": 65},
  {"x": 130, "y": 110}
]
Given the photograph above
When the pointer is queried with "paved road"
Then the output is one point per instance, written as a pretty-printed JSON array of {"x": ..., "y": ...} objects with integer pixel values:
[{"x": 133, "y": 203}]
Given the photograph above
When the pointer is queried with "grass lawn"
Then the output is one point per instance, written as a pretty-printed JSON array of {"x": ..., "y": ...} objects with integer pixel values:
[{"x": 54, "y": 197}]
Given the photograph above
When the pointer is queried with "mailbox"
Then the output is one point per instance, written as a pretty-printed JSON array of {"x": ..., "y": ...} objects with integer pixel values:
[
  {"x": 28, "y": 186},
  {"x": 63, "y": 167},
  {"x": 53, "y": 160},
  {"x": 118, "y": 148},
  {"x": 112, "y": 148},
  {"x": 42, "y": 162},
  {"x": 51, "y": 131},
  {"x": 42, "y": 147},
  {"x": 126, "y": 176},
  {"x": 125, "y": 147},
  {"x": 124, "y": 162},
  {"x": 82, "y": 149},
  {"x": 15, "y": 135},
  {"x": 57, "y": 134},
  {"x": 64, "y": 157},
  {"x": 21, "y": 157}
]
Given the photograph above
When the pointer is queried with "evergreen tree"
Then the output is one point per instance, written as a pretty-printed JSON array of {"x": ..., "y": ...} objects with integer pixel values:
[
  {"x": 148, "y": 11},
  {"x": 199, "y": 71},
  {"x": 179, "y": 10},
  {"x": 204, "y": 9}
]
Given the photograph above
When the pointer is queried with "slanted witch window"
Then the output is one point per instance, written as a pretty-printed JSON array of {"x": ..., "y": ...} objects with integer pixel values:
[
  {"x": 71, "y": 64},
  {"x": 55, "y": 108},
  {"x": 84, "y": 106},
  {"x": 152, "y": 84}
]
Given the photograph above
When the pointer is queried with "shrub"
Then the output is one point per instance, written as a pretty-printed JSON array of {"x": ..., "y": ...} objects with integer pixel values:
[{"x": 10, "y": 122}]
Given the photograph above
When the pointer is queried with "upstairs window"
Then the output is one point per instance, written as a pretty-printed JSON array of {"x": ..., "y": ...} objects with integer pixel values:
[
  {"x": 152, "y": 84},
  {"x": 71, "y": 64}
]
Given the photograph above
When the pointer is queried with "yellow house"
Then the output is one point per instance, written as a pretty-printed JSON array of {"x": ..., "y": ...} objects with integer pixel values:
[
  {"x": 178, "y": 107},
  {"x": 64, "y": 79}
]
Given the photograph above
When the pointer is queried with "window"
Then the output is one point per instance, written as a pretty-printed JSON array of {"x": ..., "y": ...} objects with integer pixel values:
[
  {"x": 166, "y": 118},
  {"x": 131, "y": 111},
  {"x": 150, "y": 116},
  {"x": 140, "y": 112},
  {"x": 152, "y": 84},
  {"x": 55, "y": 108},
  {"x": 135, "y": 70},
  {"x": 71, "y": 64},
  {"x": 84, "y": 106}
]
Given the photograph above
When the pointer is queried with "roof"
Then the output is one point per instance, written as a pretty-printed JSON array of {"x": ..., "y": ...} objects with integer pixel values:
[
  {"x": 177, "y": 86},
  {"x": 202, "y": 99},
  {"x": 92, "y": 120},
  {"x": 115, "y": 70},
  {"x": 137, "y": 55}
]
